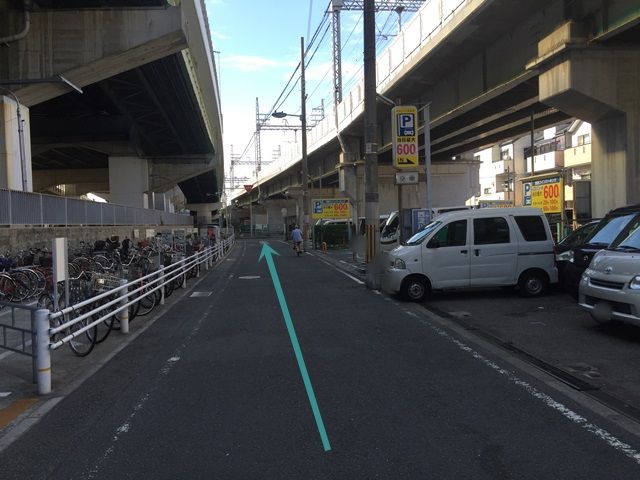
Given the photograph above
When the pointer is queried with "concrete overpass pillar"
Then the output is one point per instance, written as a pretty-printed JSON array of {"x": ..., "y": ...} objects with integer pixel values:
[
  {"x": 15, "y": 146},
  {"x": 203, "y": 211},
  {"x": 598, "y": 85},
  {"x": 350, "y": 179},
  {"x": 129, "y": 181}
]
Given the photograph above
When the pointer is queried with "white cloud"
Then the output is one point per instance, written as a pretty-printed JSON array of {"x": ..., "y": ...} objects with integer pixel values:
[
  {"x": 249, "y": 63},
  {"x": 219, "y": 36}
]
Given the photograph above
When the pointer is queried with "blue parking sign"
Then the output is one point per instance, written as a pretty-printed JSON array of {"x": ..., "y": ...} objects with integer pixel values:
[{"x": 406, "y": 124}]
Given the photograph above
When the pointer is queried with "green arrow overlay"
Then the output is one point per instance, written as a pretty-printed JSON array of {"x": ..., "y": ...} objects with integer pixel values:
[{"x": 267, "y": 252}]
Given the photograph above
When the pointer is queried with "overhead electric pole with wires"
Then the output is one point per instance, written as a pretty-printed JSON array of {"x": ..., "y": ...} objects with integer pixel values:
[{"x": 337, "y": 6}]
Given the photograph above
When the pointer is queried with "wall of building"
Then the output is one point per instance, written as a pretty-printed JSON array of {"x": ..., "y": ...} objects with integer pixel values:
[{"x": 16, "y": 239}]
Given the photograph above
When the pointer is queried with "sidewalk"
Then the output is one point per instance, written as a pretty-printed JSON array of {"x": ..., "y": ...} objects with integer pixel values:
[{"x": 20, "y": 406}]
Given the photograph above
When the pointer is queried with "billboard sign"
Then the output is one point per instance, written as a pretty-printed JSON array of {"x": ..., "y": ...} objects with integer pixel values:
[
  {"x": 330, "y": 208},
  {"x": 404, "y": 121},
  {"x": 545, "y": 193}
]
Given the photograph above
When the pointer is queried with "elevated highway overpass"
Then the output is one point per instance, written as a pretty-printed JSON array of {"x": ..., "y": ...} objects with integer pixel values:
[
  {"x": 487, "y": 68},
  {"x": 148, "y": 118}
]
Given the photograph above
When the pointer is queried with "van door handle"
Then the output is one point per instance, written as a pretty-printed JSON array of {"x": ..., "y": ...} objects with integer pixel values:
[
  {"x": 476, "y": 251},
  {"x": 464, "y": 251}
]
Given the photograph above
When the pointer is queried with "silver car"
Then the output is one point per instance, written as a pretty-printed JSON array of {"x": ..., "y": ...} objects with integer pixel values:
[{"x": 610, "y": 287}]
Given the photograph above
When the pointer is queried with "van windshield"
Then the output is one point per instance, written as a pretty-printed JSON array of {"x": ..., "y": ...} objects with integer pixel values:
[
  {"x": 422, "y": 234},
  {"x": 610, "y": 229}
]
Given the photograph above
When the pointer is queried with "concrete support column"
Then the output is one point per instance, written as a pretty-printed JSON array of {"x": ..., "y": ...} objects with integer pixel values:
[
  {"x": 129, "y": 181},
  {"x": 203, "y": 211},
  {"x": 15, "y": 146},
  {"x": 598, "y": 85},
  {"x": 348, "y": 176}
]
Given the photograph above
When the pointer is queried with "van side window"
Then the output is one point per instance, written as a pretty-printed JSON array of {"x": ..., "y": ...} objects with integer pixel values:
[
  {"x": 531, "y": 227},
  {"x": 490, "y": 230},
  {"x": 453, "y": 234}
]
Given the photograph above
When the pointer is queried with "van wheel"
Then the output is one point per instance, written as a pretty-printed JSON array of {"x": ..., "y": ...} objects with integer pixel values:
[
  {"x": 415, "y": 289},
  {"x": 532, "y": 283}
]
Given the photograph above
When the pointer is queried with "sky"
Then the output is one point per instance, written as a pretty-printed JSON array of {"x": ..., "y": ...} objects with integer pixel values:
[{"x": 257, "y": 50}]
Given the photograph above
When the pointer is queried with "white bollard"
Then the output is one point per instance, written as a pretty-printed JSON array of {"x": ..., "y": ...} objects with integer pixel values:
[
  {"x": 162, "y": 288},
  {"x": 43, "y": 354},
  {"x": 184, "y": 272},
  {"x": 123, "y": 315}
]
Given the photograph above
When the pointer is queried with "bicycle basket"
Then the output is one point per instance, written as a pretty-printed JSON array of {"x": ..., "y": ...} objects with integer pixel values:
[{"x": 102, "y": 282}]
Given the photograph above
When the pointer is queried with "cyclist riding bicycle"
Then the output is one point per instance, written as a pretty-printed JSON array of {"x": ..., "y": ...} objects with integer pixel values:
[{"x": 296, "y": 236}]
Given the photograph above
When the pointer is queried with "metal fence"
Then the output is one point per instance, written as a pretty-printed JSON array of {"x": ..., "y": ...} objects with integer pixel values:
[
  {"x": 47, "y": 331},
  {"x": 19, "y": 336},
  {"x": 27, "y": 208}
]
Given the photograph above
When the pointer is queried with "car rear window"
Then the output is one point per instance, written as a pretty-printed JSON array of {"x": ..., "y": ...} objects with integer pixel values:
[
  {"x": 531, "y": 227},
  {"x": 610, "y": 228}
]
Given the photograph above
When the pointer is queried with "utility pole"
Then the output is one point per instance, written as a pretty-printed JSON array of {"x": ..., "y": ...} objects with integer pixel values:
[
  {"x": 305, "y": 168},
  {"x": 370, "y": 142},
  {"x": 426, "y": 134},
  {"x": 533, "y": 143},
  {"x": 257, "y": 139}
]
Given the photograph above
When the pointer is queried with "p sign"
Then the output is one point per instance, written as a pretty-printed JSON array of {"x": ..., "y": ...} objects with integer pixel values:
[
  {"x": 406, "y": 125},
  {"x": 405, "y": 137}
]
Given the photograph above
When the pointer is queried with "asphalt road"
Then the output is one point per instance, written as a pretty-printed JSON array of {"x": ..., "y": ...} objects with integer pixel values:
[{"x": 213, "y": 390}]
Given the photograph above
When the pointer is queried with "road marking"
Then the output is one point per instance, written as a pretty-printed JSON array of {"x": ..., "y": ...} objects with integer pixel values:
[
  {"x": 357, "y": 280},
  {"x": 267, "y": 252},
  {"x": 200, "y": 294},
  {"x": 575, "y": 417},
  {"x": 249, "y": 277},
  {"x": 10, "y": 413},
  {"x": 4, "y": 394}
]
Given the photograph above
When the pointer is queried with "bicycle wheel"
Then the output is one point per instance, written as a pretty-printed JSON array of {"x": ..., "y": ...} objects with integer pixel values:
[
  {"x": 147, "y": 302},
  {"x": 22, "y": 283},
  {"x": 102, "y": 329},
  {"x": 134, "y": 307},
  {"x": 179, "y": 281},
  {"x": 7, "y": 288},
  {"x": 82, "y": 343}
]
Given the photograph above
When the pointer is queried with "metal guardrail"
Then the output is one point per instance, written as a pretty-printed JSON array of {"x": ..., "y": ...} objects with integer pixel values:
[
  {"x": 27, "y": 208},
  {"x": 42, "y": 320},
  {"x": 20, "y": 335}
]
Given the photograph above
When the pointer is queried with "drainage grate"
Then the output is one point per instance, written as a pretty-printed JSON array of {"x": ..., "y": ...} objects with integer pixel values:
[{"x": 200, "y": 294}]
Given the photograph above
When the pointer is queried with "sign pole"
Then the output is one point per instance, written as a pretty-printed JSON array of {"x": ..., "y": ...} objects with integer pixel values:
[{"x": 426, "y": 132}]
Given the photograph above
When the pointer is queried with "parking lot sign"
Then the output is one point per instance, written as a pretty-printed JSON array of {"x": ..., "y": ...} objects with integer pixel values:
[
  {"x": 330, "y": 208},
  {"x": 404, "y": 121}
]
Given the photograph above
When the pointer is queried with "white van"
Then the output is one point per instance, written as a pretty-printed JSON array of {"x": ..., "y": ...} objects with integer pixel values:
[
  {"x": 390, "y": 232},
  {"x": 489, "y": 247}
]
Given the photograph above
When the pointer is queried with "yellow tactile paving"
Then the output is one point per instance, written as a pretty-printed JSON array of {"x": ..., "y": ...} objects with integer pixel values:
[{"x": 7, "y": 415}]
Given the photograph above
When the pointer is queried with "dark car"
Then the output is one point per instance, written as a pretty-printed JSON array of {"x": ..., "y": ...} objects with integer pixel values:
[
  {"x": 574, "y": 239},
  {"x": 614, "y": 226}
]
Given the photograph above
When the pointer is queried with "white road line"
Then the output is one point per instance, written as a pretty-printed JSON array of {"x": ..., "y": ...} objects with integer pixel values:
[
  {"x": 357, "y": 280},
  {"x": 164, "y": 371},
  {"x": 4, "y": 394},
  {"x": 578, "y": 419}
]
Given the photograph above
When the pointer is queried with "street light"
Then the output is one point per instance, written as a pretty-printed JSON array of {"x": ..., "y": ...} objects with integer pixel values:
[{"x": 305, "y": 170}]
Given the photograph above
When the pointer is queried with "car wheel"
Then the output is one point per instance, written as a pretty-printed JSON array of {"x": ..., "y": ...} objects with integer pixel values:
[
  {"x": 415, "y": 289},
  {"x": 532, "y": 283}
]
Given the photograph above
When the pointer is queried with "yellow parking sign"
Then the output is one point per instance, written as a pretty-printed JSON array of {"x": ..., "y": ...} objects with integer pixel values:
[
  {"x": 330, "y": 208},
  {"x": 404, "y": 121}
]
